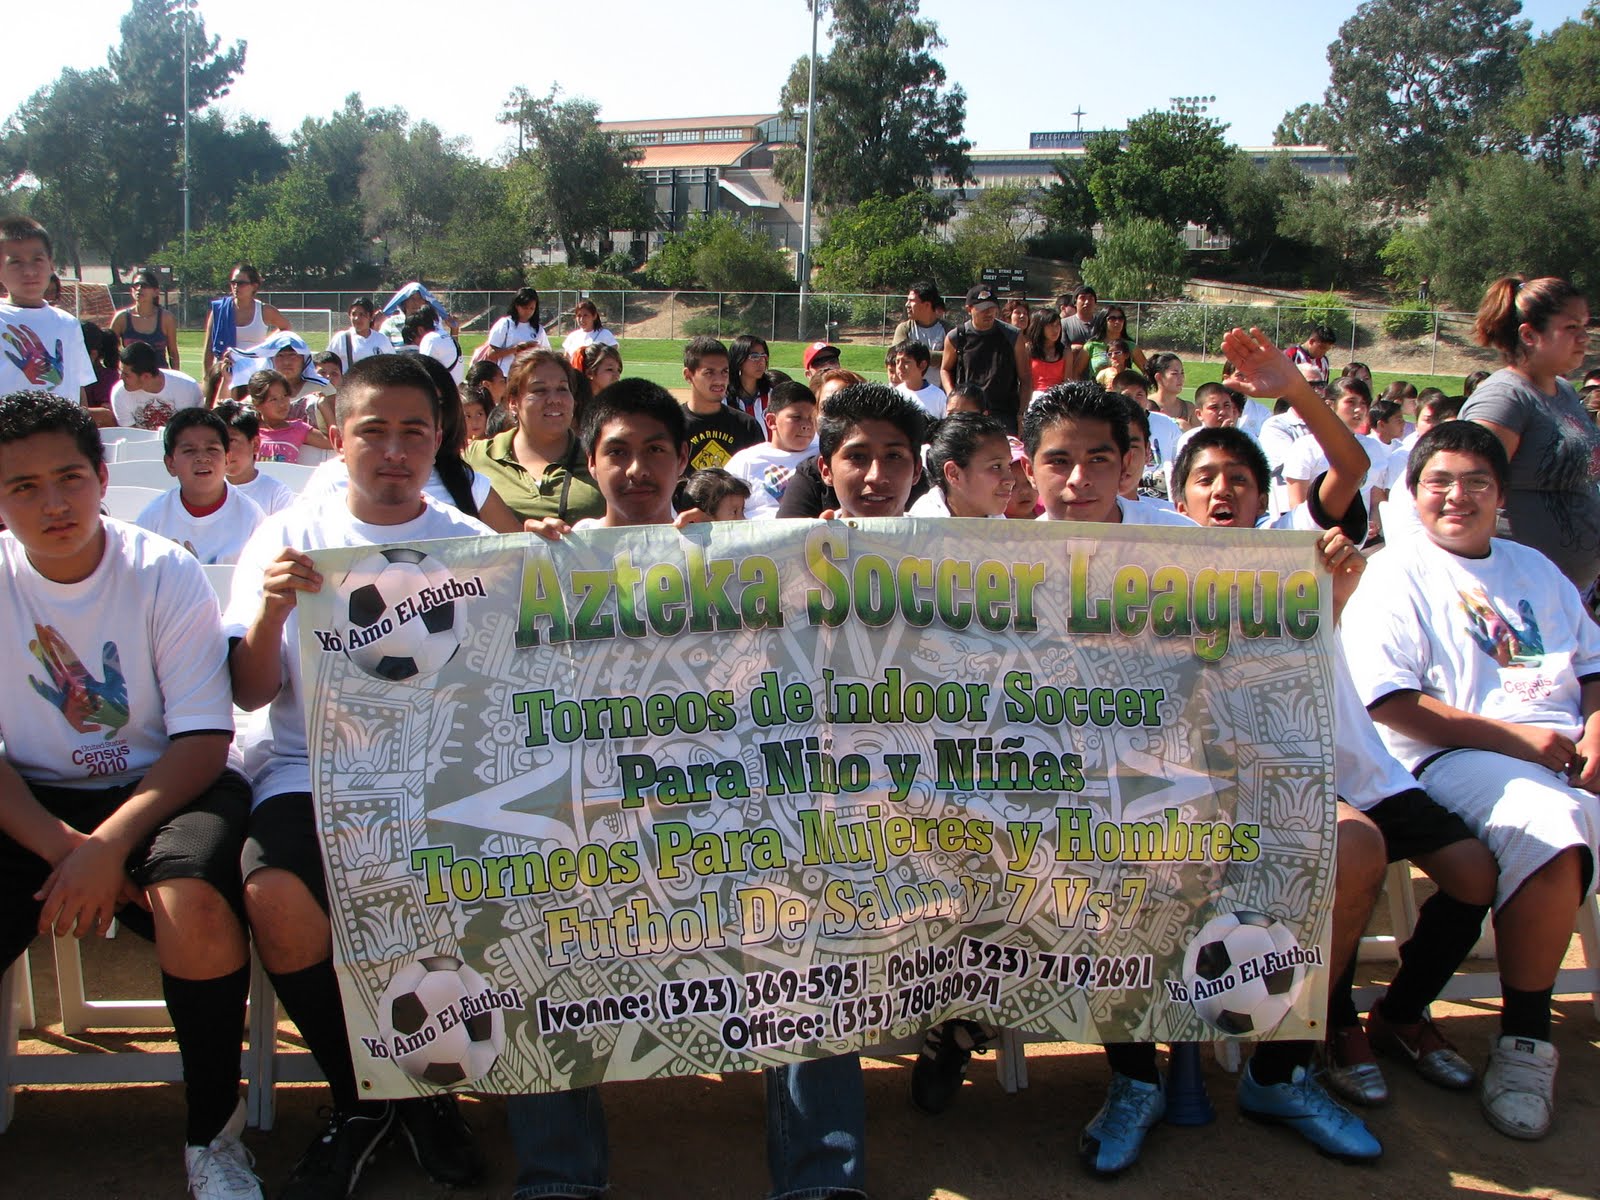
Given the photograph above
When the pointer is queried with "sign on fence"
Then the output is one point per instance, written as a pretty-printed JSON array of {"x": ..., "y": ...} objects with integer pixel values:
[{"x": 645, "y": 803}]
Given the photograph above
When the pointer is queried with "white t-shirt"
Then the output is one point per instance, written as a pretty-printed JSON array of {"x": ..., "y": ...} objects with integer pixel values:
[
  {"x": 1165, "y": 433},
  {"x": 1307, "y": 460},
  {"x": 934, "y": 503},
  {"x": 42, "y": 350},
  {"x": 767, "y": 470},
  {"x": 1256, "y": 415},
  {"x": 275, "y": 755},
  {"x": 152, "y": 410},
  {"x": 442, "y": 346},
  {"x": 351, "y": 347},
  {"x": 1278, "y": 436},
  {"x": 331, "y": 480},
  {"x": 1504, "y": 636},
  {"x": 931, "y": 396},
  {"x": 578, "y": 339},
  {"x": 215, "y": 538},
  {"x": 271, "y": 495},
  {"x": 108, "y": 670},
  {"x": 505, "y": 333}
]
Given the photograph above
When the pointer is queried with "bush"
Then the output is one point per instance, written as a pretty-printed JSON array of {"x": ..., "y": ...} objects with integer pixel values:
[
  {"x": 1193, "y": 328},
  {"x": 1408, "y": 319},
  {"x": 1138, "y": 259},
  {"x": 1323, "y": 308}
]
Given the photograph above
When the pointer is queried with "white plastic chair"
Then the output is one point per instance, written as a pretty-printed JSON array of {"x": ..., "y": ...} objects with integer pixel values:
[
  {"x": 141, "y": 473},
  {"x": 126, "y": 501},
  {"x": 293, "y": 475},
  {"x": 136, "y": 451},
  {"x": 1477, "y": 985},
  {"x": 79, "y": 1015}
]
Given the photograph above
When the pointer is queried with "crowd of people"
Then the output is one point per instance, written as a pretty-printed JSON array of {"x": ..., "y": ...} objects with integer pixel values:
[{"x": 1467, "y": 666}]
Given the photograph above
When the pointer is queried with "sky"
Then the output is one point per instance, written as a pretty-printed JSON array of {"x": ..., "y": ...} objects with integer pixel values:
[{"x": 1024, "y": 65}]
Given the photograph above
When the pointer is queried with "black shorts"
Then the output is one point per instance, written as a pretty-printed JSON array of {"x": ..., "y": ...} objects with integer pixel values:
[
  {"x": 1414, "y": 823},
  {"x": 283, "y": 834},
  {"x": 199, "y": 842}
]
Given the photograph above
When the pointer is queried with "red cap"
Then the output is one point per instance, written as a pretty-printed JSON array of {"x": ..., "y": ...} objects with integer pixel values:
[{"x": 815, "y": 351}]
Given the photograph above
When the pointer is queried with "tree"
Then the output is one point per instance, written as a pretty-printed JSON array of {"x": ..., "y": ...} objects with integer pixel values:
[
  {"x": 1067, "y": 209},
  {"x": 995, "y": 228},
  {"x": 885, "y": 123},
  {"x": 883, "y": 244},
  {"x": 574, "y": 179},
  {"x": 1170, "y": 166},
  {"x": 718, "y": 252},
  {"x": 1558, "y": 106},
  {"x": 408, "y": 185},
  {"x": 337, "y": 147},
  {"x": 1342, "y": 228},
  {"x": 1256, "y": 199},
  {"x": 1508, "y": 214},
  {"x": 118, "y": 129},
  {"x": 1138, "y": 259},
  {"x": 292, "y": 224},
  {"x": 1415, "y": 84},
  {"x": 1308, "y": 125}
]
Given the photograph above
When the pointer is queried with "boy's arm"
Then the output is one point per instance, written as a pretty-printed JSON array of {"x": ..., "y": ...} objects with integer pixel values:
[
  {"x": 1261, "y": 371},
  {"x": 84, "y": 890},
  {"x": 1430, "y": 720},
  {"x": 25, "y": 821},
  {"x": 255, "y": 660},
  {"x": 947, "y": 365}
]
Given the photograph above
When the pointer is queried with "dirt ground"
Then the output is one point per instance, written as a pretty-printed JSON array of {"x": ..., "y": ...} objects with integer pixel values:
[{"x": 122, "y": 1143}]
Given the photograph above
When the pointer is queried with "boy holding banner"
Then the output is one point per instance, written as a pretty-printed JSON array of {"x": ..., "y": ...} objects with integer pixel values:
[
  {"x": 1077, "y": 440},
  {"x": 870, "y": 443},
  {"x": 387, "y": 433}
]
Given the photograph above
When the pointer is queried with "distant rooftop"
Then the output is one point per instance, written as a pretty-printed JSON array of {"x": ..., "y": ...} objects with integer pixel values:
[{"x": 685, "y": 124}]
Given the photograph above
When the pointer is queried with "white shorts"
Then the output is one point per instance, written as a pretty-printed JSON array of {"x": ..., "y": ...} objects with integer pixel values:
[{"x": 1525, "y": 813}]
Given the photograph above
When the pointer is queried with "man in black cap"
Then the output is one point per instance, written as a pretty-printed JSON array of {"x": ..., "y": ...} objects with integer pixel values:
[{"x": 990, "y": 355}]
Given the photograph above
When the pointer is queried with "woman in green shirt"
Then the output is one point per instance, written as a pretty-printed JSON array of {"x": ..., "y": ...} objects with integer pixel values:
[
  {"x": 1110, "y": 325},
  {"x": 538, "y": 467}
]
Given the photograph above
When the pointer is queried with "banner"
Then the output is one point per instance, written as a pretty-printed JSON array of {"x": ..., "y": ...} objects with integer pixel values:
[{"x": 647, "y": 802}]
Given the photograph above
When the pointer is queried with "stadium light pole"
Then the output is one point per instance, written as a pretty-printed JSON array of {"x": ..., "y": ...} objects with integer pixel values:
[
  {"x": 184, "y": 292},
  {"x": 811, "y": 149}
]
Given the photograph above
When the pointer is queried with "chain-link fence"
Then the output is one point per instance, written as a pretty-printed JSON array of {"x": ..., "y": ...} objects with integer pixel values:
[{"x": 1404, "y": 339}]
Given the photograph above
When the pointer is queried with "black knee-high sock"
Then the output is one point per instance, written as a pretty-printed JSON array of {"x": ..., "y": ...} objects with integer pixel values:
[
  {"x": 1136, "y": 1060},
  {"x": 208, "y": 1017},
  {"x": 1446, "y": 931},
  {"x": 1341, "y": 1005},
  {"x": 311, "y": 998},
  {"x": 1274, "y": 1062},
  {"x": 1525, "y": 1014}
]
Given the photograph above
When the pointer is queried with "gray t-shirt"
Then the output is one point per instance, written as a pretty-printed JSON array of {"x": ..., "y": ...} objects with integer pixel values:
[
  {"x": 1554, "y": 504},
  {"x": 1074, "y": 330}
]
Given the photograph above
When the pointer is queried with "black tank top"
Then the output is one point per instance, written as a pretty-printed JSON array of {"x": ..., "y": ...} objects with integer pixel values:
[{"x": 157, "y": 341}]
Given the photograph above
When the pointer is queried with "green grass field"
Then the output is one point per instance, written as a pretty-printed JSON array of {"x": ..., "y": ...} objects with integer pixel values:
[{"x": 661, "y": 361}]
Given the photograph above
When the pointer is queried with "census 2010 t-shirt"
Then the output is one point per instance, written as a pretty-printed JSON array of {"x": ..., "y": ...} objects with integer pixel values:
[{"x": 104, "y": 673}]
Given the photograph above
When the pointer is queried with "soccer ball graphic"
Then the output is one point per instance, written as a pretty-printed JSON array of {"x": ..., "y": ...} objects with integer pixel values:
[
  {"x": 1232, "y": 985},
  {"x": 431, "y": 1038},
  {"x": 389, "y": 634}
]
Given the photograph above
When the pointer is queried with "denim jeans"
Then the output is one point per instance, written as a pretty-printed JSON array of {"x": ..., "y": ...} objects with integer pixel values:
[{"x": 816, "y": 1130}]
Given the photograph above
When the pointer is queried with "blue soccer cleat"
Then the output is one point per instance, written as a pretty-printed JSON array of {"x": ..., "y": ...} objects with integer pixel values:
[
  {"x": 1111, "y": 1142},
  {"x": 1305, "y": 1106}
]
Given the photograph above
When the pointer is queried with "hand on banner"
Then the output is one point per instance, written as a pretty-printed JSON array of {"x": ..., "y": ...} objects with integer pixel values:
[
  {"x": 551, "y": 529},
  {"x": 1343, "y": 560},
  {"x": 690, "y": 516},
  {"x": 285, "y": 577}
]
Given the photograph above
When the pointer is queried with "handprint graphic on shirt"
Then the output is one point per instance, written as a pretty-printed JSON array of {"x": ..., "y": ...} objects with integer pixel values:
[
  {"x": 1497, "y": 635},
  {"x": 87, "y": 703},
  {"x": 40, "y": 368}
]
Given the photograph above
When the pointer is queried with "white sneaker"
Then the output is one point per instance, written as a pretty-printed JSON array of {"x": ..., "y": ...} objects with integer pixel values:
[
  {"x": 1519, "y": 1087},
  {"x": 222, "y": 1170}
]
